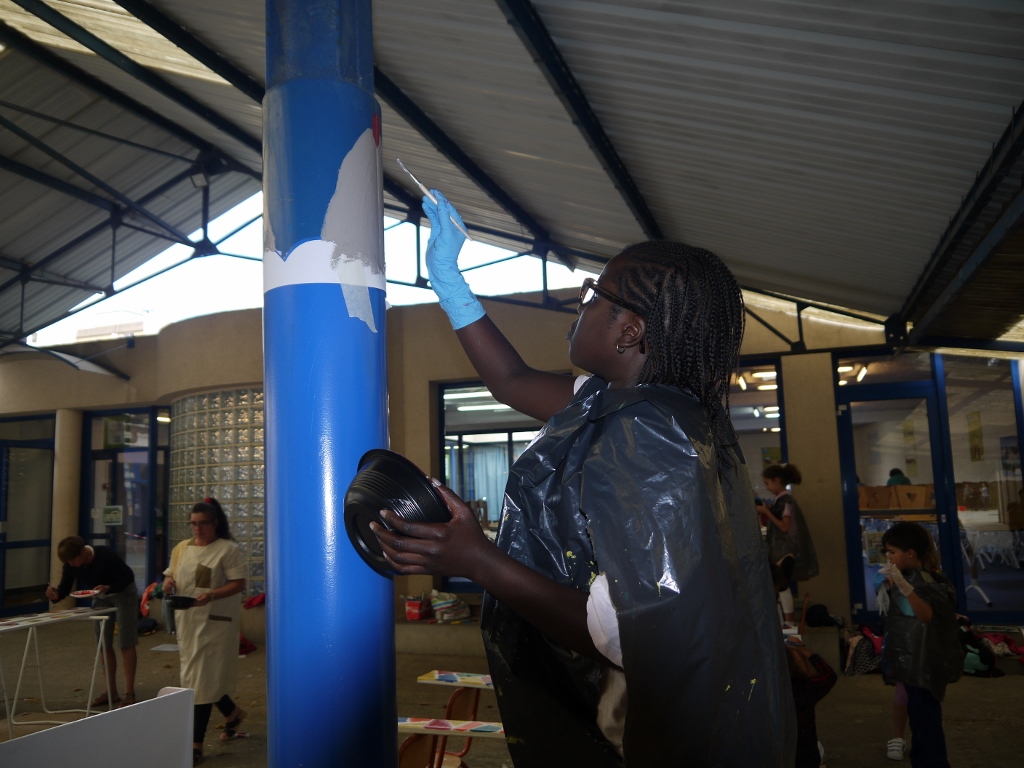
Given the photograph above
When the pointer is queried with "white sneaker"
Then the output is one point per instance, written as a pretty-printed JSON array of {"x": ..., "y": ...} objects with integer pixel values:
[{"x": 895, "y": 748}]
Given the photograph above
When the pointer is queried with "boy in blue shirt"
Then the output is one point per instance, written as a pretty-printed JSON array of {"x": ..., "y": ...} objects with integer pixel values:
[{"x": 921, "y": 648}]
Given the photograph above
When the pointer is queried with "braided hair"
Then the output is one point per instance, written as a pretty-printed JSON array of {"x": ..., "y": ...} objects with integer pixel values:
[{"x": 694, "y": 312}]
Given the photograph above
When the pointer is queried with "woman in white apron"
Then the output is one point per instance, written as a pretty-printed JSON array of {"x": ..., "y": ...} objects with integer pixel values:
[{"x": 210, "y": 568}]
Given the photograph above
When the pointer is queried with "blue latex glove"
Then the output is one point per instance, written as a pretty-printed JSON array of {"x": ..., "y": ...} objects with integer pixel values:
[{"x": 457, "y": 300}]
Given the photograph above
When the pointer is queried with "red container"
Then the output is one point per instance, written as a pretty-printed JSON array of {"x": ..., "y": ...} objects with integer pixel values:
[{"x": 417, "y": 610}]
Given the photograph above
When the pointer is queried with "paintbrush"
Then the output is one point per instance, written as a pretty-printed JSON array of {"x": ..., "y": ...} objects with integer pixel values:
[{"x": 433, "y": 199}]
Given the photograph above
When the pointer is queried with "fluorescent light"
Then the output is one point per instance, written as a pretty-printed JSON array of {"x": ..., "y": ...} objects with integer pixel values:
[
  {"x": 844, "y": 368},
  {"x": 742, "y": 382},
  {"x": 764, "y": 429},
  {"x": 757, "y": 414},
  {"x": 488, "y": 407},
  {"x": 164, "y": 419},
  {"x": 465, "y": 395},
  {"x": 771, "y": 409},
  {"x": 776, "y": 429},
  {"x": 771, "y": 415},
  {"x": 843, "y": 382},
  {"x": 767, "y": 386},
  {"x": 764, "y": 374},
  {"x": 863, "y": 373}
]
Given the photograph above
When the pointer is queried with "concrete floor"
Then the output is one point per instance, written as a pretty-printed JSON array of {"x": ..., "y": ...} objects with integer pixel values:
[{"x": 982, "y": 716}]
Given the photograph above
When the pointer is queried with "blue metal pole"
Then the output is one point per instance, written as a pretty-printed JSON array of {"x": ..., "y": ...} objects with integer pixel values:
[{"x": 330, "y": 621}]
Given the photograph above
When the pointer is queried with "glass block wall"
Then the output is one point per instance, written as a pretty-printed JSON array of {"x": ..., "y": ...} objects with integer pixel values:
[{"x": 217, "y": 450}]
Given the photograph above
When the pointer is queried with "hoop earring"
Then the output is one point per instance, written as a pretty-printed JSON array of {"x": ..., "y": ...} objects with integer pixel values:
[{"x": 619, "y": 349}]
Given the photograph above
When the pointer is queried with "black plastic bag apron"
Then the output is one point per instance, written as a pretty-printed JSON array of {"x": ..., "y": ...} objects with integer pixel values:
[
  {"x": 924, "y": 655},
  {"x": 625, "y": 482}
]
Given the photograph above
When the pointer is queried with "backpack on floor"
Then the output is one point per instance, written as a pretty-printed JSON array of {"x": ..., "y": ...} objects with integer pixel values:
[{"x": 979, "y": 660}]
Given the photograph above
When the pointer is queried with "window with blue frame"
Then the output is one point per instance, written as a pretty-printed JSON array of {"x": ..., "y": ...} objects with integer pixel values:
[{"x": 482, "y": 439}]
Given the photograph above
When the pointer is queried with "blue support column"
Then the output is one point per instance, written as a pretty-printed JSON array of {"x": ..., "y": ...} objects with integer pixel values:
[{"x": 330, "y": 621}]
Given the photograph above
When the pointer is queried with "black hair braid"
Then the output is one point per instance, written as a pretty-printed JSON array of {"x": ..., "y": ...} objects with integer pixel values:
[{"x": 694, "y": 312}]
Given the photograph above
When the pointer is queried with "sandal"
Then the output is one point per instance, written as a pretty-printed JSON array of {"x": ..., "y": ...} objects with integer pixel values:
[
  {"x": 100, "y": 700},
  {"x": 197, "y": 756},
  {"x": 231, "y": 726},
  {"x": 127, "y": 700}
]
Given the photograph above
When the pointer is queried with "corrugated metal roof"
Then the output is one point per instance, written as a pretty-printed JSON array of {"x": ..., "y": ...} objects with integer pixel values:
[
  {"x": 114, "y": 25},
  {"x": 813, "y": 146},
  {"x": 819, "y": 148},
  {"x": 465, "y": 66}
]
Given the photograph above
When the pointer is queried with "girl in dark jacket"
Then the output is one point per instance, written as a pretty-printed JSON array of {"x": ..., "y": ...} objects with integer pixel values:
[{"x": 789, "y": 541}]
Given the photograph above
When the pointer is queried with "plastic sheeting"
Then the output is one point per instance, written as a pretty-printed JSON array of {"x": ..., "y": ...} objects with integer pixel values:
[
  {"x": 796, "y": 542},
  {"x": 626, "y": 482},
  {"x": 925, "y": 655}
]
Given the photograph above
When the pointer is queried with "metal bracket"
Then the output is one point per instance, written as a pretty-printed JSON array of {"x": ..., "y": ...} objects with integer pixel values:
[{"x": 895, "y": 331}]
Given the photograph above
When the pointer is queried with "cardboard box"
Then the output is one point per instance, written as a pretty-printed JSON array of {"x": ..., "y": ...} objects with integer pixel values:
[
  {"x": 915, "y": 496},
  {"x": 878, "y": 497}
]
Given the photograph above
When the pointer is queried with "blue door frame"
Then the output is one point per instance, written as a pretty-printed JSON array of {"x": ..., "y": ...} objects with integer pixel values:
[
  {"x": 933, "y": 391},
  {"x": 153, "y": 554},
  {"x": 945, "y": 504}
]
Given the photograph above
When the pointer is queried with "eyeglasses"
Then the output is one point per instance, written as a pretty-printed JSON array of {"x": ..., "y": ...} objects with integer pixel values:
[
  {"x": 198, "y": 523},
  {"x": 590, "y": 289}
]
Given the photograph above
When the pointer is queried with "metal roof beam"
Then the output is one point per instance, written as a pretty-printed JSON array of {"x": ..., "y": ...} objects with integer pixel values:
[
  {"x": 194, "y": 47},
  {"x": 1011, "y": 216},
  {"x": 42, "y": 146},
  {"x": 792, "y": 344},
  {"x": 45, "y": 179},
  {"x": 443, "y": 143},
  {"x": 66, "y": 282},
  {"x": 108, "y": 292},
  {"x": 92, "y": 132},
  {"x": 385, "y": 88},
  {"x": 46, "y": 277},
  {"x": 988, "y": 345},
  {"x": 90, "y": 233},
  {"x": 1004, "y": 154},
  {"x": 164, "y": 87},
  {"x": 815, "y": 305},
  {"x": 209, "y": 58},
  {"x": 523, "y": 17},
  {"x": 12, "y": 38}
]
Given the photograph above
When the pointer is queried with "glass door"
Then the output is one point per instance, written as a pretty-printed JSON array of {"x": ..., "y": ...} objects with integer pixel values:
[
  {"x": 892, "y": 454},
  {"x": 983, "y": 422},
  {"x": 119, "y": 506},
  {"x": 26, "y": 486}
]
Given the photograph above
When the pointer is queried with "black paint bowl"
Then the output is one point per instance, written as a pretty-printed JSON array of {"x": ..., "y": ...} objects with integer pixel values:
[
  {"x": 386, "y": 480},
  {"x": 180, "y": 602}
]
